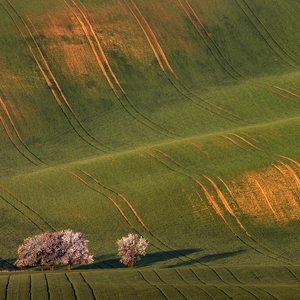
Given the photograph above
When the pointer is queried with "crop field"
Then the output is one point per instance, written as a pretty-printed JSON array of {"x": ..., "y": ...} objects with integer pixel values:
[{"x": 178, "y": 120}]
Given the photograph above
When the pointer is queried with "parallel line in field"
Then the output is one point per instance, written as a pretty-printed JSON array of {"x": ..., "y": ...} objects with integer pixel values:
[
  {"x": 52, "y": 76},
  {"x": 252, "y": 294},
  {"x": 30, "y": 286},
  {"x": 259, "y": 288},
  {"x": 164, "y": 71},
  {"x": 6, "y": 288},
  {"x": 109, "y": 67},
  {"x": 121, "y": 212},
  {"x": 88, "y": 285},
  {"x": 47, "y": 285},
  {"x": 202, "y": 37},
  {"x": 16, "y": 131},
  {"x": 219, "y": 289},
  {"x": 144, "y": 278},
  {"x": 267, "y": 200},
  {"x": 119, "y": 195},
  {"x": 12, "y": 141},
  {"x": 227, "y": 62},
  {"x": 72, "y": 286},
  {"x": 213, "y": 204},
  {"x": 231, "y": 273},
  {"x": 22, "y": 213},
  {"x": 49, "y": 84},
  {"x": 218, "y": 211},
  {"x": 7, "y": 262},
  {"x": 136, "y": 215},
  {"x": 36, "y": 213},
  {"x": 170, "y": 68},
  {"x": 267, "y": 31},
  {"x": 170, "y": 284},
  {"x": 270, "y": 46},
  {"x": 296, "y": 163},
  {"x": 292, "y": 273},
  {"x": 219, "y": 51}
]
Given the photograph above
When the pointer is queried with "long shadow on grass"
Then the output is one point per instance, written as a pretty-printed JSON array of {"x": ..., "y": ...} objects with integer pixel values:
[{"x": 166, "y": 259}]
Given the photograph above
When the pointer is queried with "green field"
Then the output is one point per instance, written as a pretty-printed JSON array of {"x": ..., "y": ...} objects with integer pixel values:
[{"x": 178, "y": 120}]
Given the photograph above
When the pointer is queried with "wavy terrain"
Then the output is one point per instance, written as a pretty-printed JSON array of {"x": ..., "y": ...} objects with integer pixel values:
[{"x": 177, "y": 119}]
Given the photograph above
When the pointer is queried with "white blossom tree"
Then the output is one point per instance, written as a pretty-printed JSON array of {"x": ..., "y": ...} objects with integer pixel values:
[
  {"x": 130, "y": 249},
  {"x": 64, "y": 247},
  {"x": 74, "y": 249}
]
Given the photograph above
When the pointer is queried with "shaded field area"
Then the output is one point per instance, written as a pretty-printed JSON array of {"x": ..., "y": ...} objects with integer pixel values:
[
  {"x": 178, "y": 120},
  {"x": 177, "y": 283}
]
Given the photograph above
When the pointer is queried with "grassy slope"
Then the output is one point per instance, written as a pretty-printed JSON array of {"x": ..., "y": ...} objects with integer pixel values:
[{"x": 163, "y": 137}]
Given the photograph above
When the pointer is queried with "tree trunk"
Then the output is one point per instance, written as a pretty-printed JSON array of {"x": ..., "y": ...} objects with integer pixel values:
[
  {"x": 42, "y": 268},
  {"x": 130, "y": 265},
  {"x": 69, "y": 267},
  {"x": 52, "y": 268}
]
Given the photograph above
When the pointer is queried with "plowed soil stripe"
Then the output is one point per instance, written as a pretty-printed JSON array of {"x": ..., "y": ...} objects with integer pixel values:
[
  {"x": 11, "y": 140},
  {"x": 47, "y": 80},
  {"x": 265, "y": 196},
  {"x": 8, "y": 192},
  {"x": 124, "y": 199},
  {"x": 16, "y": 131},
  {"x": 51, "y": 74},
  {"x": 103, "y": 195}
]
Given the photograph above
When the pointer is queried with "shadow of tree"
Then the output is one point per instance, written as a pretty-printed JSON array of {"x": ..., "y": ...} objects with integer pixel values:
[{"x": 181, "y": 256}]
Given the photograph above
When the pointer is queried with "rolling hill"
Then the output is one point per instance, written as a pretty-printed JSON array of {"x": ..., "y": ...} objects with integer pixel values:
[{"x": 176, "y": 119}]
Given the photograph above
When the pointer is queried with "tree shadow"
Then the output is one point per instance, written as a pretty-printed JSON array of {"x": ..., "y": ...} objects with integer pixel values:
[
  {"x": 182, "y": 258},
  {"x": 208, "y": 258}
]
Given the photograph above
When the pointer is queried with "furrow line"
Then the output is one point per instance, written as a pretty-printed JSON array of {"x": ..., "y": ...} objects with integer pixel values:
[
  {"x": 16, "y": 131},
  {"x": 121, "y": 212},
  {"x": 267, "y": 200},
  {"x": 30, "y": 286},
  {"x": 47, "y": 285},
  {"x": 167, "y": 63},
  {"x": 47, "y": 80},
  {"x": 164, "y": 71},
  {"x": 22, "y": 214},
  {"x": 296, "y": 163},
  {"x": 227, "y": 207},
  {"x": 292, "y": 274},
  {"x": 266, "y": 292},
  {"x": 235, "y": 278},
  {"x": 135, "y": 214},
  {"x": 270, "y": 46},
  {"x": 11, "y": 140},
  {"x": 124, "y": 216},
  {"x": 107, "y": 63},
  {"x": 52, "y": 76},
  {"x": 8, "y": 192},
  {"x": 260, "y": 22},
  {"x": 170, "y": 285},
  {"x": 153, "y": 285},
  {"x": 7, "y": 262},
  {"x": 122, "y": 197},
  {"x": 6, "y": 288},
  {"x": 224, "y": 56},
  {"x": 88, "y": 285},
  {"x": 72, "y": 286},
  {"x": 202, "y": 37},
  {"x": 226, "y": 137},
  {"x": 244, "y": 289},
  {"x": 223, "y": 292},
  {"x": 227, "y": 188},
  {"x": 213, "y": 204}
]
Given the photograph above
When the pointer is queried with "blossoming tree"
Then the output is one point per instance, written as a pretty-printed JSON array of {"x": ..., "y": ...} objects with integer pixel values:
[
  {"x": 130, "y": 249},
  {"x": 64, "y": 247}
]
